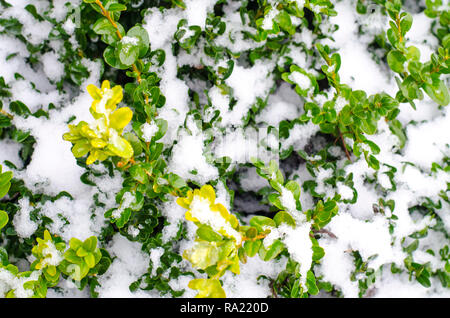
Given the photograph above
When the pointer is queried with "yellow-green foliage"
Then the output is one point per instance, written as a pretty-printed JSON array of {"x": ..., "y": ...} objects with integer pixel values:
[{"x": 102, "y": 138}]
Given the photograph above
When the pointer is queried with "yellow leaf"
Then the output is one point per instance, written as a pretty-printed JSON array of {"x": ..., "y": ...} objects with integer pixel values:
[
  {"x": 47, "y": 235},
  {"x": 116, "y": 97},
  {"x": 202, "y": 255},
  {"x": 102, "y": 155},
  {"x": 120, "y": 118},
  {"x": 94, "y": 91},
  {"x": 208, "y": 192},
  {"x": 222, "y": 210},
  {"x": 207, "y": 288},
  {"x": 51, "y": 270},
  {"x": 98, "y": 143},
  {"x": 81, "y": 148},
  {"x": 189, "y": 217},
  {"x": 183, "y": 202},
  {"x": 233, "y": 221},
  {"x": 87, "y": 132},
  {"x": 71, "y": 137},
  {"x": 235, "y": 266},
  {"x": 120, "y": 147},
  {"x": 106, "y": 85},
  {"x": 92, "y": 157}
]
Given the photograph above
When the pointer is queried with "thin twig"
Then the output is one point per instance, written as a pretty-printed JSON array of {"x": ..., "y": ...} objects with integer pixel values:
[
  {"x": 6, "y": 114},
  {"x": 344, "y": 145},
  {"x": 326, "y": 232}
]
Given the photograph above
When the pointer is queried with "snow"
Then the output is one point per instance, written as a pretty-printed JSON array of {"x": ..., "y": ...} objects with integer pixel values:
[
  {"x": 299, "y": 246},
  {"x": 355, "y": 56},
  {"x": 288, "y": 201},
  {"x": 187, "y": 156},
  {"x": 196, "y": 11},
  {"x": 10, "y": 152},
  {"x": 129, "y": 264},
  {"x": 201, "y": 210},
  {"x": 45, "y": 171},
  {"x": 9, "y": 281},
  {"x": 240, "y": 145},
  {"x": 247, "y": 284},
  {"x": 284, "y": 104},
  {"x": 300, "y": 79},
  {"x": 51, "y": 255},
  {"x": 148, "y": 131},
  {"x": 249, "y": 101},
  {"x": 130, "y": 40},
  {"x": 251, "y": 181},
  {"x": 155, "y": 255},
  {"x": 399, "y": 286},
  {"x": 299, "y": 136},
  {"x": 22, "y": 223},
  {"x": 247, "y": 85},
  {"x": 53, "y": 68}
]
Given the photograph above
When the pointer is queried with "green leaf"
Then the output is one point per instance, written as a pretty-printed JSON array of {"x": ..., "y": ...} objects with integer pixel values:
[
  {"x": 424, "y": 278},
  {"x": 90, "y": 260},
  {"x": 412, "y": 247},
  {"x": 144, "y": 41},
  {"x": 103, "y": 265},
  {"x": 19, "y": 108},
  {"x": 75, "y": 243},
  {"x": 395, "y": 60},
  {"x": 252, "y": 247},
  {"x": 5, "y": 121},
  {"x": 294, "y": 187},
  {"x": 202, "y": 255},
  {"x": 284, "y": 20},
  {"x": 4, "y": 189},
  {"x": 115, "y": 7},
  {"x": 81, "y": 252},
  {"x": 373, "y": 162},
  {"x": 103, "y": 26},
  {"x": 369, "y": 126},
  {"x": 284, "y": 217},
  {"x": 90, "y": 244},
  {"x": 206, "y": 233},
  {"x": 3, "y": 219},
  {"x": 138, "y": 174},
  {"x": 179, "y": 3},
  {"x": 162, "y": 125},
  {"x": 311, "y": 283},
  {"x": 251, "y": 232},
  {"x": 82, "y": 272},
  {"x": 324, "y": 212},
  {"x": 110, "y": 56},
  {"x": 72, "y": 257},
  {"x": 134, "y": 142},
  {"x": 124, "y": 218},
  {"x": 81, "y": 148},
  {"x": 413, "y": 53},
  {"x": 405, "y": 23},
  {"x": 397, "y": 129},
  {"x": 128, "y": 52},
  {"x": 318, "y": 253},
  {"x": 176, "y": 181},
  {"x": 438, "y": 92},
  {"x": 259, "y": 222},
  {"x": 266, "y": 254}
]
